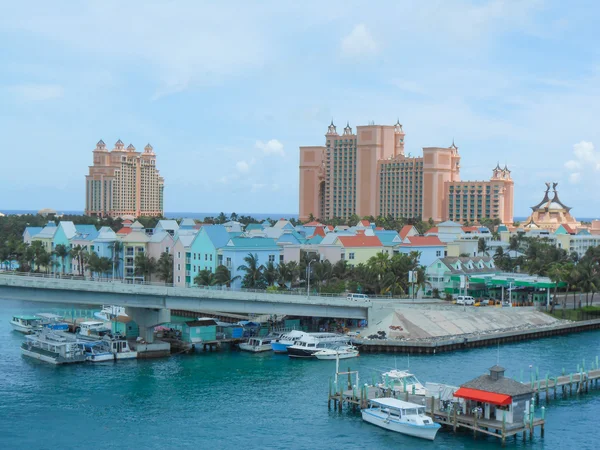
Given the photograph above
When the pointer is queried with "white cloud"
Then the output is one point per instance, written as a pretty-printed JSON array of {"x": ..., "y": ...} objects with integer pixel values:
[
  {"x": 584, "y": 151},
  {"x": 574, "y": 178},
  {"x": 572, "y": 165},
  {"x": 359, "y": 42},
  {"x": 242, "y": 166},
  {"x": 273, "y": 147},
  {"x": 37, "y": 92}
]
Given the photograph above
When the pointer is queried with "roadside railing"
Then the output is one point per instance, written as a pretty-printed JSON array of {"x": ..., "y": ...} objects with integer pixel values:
[{"x": 297, "y": 292}]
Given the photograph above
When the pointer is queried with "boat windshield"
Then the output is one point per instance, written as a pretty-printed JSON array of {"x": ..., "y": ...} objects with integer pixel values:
[{"x": 410, "y": 379}]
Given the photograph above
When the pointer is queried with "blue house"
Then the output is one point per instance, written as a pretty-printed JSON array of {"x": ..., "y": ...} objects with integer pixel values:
[
  {"x": 430, "y": 248},
  {"x": 204, "y": 250},
  {"x": 104, "y": 243},
  {"x": 265, "y": 249}
]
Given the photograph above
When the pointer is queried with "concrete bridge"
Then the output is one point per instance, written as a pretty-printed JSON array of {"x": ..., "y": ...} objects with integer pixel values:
[{"x": 150, "y": 305}]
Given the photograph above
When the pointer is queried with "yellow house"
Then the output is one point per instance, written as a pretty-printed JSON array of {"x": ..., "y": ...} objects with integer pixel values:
[{"x": 359, "y": 249}]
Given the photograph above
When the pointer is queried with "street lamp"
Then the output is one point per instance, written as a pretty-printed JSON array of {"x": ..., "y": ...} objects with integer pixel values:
[{"x": 308, "y": 278}]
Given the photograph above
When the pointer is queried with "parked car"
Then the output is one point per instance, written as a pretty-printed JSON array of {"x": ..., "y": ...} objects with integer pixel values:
[
  {"x": 465, "y": 300},
  {"x": 484, "y": 302},
  {"x": 356, "y": 297}
]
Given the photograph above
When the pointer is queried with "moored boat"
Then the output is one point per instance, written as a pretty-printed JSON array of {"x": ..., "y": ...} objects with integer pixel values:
[
  {"x": 402, "y": 381},
  {"x": 98, "y": 351},
  {"x": 119, "y": 347},
  {"x": 256, "y": 345},
  {"x": 53, "y": 321},
  {"x": 53, "y": 347},
  {"x": 286, "y": 340},
  {"x": 92, "y": 330},
  {"x": 110, "y": 312},
  {"x": 311, "y": 343},
  {"x": 401, "y": 417},
  {"x": 343, "y": 352},
  {"x": 25, "y": 324}
]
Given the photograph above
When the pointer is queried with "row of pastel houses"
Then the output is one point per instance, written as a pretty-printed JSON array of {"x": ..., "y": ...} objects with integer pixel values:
[{"x": 196, "y": 247}]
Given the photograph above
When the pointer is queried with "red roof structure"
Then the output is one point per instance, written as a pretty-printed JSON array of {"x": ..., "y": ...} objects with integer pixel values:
[
  {"x": 483, "y": 396},
  {"x": 360, "y": 240},
  {"x": 314, "y": 223},
  {"x": 365, "y": 223},
  {"x": 405, "y": 230},
  {"x": 425, "y": 241},
  {"x": 568, "y": 228},
  {"x": 124, "y": 231},
  {"x": 432, "y": 230},
  {"x": 319, "y": 231}
]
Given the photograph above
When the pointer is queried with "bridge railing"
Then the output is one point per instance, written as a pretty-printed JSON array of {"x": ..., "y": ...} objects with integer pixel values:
[{"x": 302, "y": 291}]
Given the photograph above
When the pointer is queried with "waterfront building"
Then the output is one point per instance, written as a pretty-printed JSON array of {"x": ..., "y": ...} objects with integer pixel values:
[
  {"x": 160, "y": 242},
  {"x": 46, "y": 236},
  {"x": 551, "y": 213},
  {"x": 444, "y": 273},
  {"x": 181, "y": 259},
  {"x": 204, "y": 251},
  {"x": 358, "y": 249},
  {"x": 368, "y": 174},
  {"x": 265, "y": 249},
  {"x": 123, "y": 181},
  {"x": 187, "y": 224},
  {"x": 134, "y": 243},
  {"x": 104, "y": 245},
  {"x": 84, "y": 237},
  {"x": 170, "y": 226},
  {"x": 429, "y": 248}
]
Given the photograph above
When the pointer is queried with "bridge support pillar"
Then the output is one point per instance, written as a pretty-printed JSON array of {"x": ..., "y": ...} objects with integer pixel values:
[{"x": 147, "y": 319}]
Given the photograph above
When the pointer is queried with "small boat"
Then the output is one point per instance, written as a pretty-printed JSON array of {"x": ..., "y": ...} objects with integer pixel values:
[
  {"x": 256, "y": 344},
  {"x": 288, "y": 339},
  {"x": 401, "y": 417},
  {"x": 119, "y": 347},
  {"x": 92, "y": 330},
  {"x": 98, "y": 351},
  {"x": 311, "y": 343},
  {"x": 25, "y": 324},
  {"x": 402, "y": 381},
  {"x": 54, "y": 347},
  {"x": 343, "y": 352},
  {"x": 53, "y": 321},
  {"x": 110, "y": 312}
]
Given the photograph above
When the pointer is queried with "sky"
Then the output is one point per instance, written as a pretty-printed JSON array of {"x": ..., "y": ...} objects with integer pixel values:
[{"x": 226, "y": 93}]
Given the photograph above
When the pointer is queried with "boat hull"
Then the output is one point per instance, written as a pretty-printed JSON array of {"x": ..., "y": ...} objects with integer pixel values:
[
  {"x": 21, "y": 328},
  {"x": 420, "y": 431},
  {"x": 279, "y": 347},
  {"x": 255, "y": 348},
  {"x": 52, "y": 359},
  {"x": 334, "y": 356},
  {"x": 102, "y": 357},
  {"x": 127, "y": 355},
  {"x": 302, "y": 353}
]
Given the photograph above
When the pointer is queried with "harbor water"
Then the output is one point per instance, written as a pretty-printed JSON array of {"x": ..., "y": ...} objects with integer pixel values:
[{"x": 235, "y": 400}]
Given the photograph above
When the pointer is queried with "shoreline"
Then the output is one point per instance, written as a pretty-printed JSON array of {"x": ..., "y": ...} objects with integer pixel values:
[{"x": 466, "y": 342}]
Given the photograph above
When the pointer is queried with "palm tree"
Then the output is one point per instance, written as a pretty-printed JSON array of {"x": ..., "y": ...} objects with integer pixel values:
[
  {"x": 144, "y": 266},
  {"x": 62, "y": 252},
  {"x": 222, "y": 218},
  {"x": 223, "y": 276},
  {"x": 76, "y": 255},
  {"x": 482, "y": 247},
  {"x": 104, "y": 265},
  {"x": 341, "y": 270},
  {"x": 270, "y": 273},
  {"x": 205, "y": 278},
  {"x": 38, "y": 253},
  {"x": 164, "y": 267},
  {"x": 254, "y": 272}
]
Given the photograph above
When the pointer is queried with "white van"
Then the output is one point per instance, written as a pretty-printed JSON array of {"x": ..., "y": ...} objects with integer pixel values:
[
  {"x": 358, "y": 297},
  {"x": 465, "y": 300}
]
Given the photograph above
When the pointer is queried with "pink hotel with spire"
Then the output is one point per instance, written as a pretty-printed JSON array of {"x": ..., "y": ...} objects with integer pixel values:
[{"x": 368, "y": 174}]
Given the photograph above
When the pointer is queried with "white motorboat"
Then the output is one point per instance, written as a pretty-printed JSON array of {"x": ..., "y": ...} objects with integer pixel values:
[
  {"x": 311, "y": 343},
  {"x": 98, "y": 351},
  {"x": 119, "y": 347},
  {"x": 402, "y": 381},
  {"x": 256, "y": 345},
  {"x": 53, "y": 347},
  {"x": 53, "y": 321},
  {"x": 110, "y": 312},
  {"x": 344, "y": 352},
  {"x": 286, "y": 340},
  {"x": 92, "y": 330},
  {"x": 26, "y": 324},
  {"x": 401, "y": 417}
]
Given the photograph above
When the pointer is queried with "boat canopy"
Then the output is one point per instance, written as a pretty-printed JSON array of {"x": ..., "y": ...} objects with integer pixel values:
[
  {"x": 27, "y": 317},
  {"x": 394, "y": 403},
  {"x": 483, "y": 396}
]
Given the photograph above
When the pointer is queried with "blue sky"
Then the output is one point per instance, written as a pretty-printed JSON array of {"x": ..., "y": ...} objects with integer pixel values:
[{"x": 226, "y": 92}]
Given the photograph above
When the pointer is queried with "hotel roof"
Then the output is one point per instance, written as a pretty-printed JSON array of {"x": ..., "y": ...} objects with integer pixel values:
[
  {"x": 423, "y": 241},
  {"x": 252, "y": 243}
]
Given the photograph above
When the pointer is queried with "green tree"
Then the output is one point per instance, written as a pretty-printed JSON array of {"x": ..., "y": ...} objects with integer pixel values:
[
  {"x": 223, "y": 276},
  {"x": 145, "y": 266},
  {"x": 164, "y": 267},
  {"x": 61, "y": 251},
  {"x": 253, "y": 278},
  {"x": 270, "y": 274},
  {"x": 482, "y": 247},
  {"x": 205, "y": 278},
  {"x": 116, "y": 251}
]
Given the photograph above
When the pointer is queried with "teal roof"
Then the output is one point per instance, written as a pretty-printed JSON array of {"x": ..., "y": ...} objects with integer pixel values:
[
  {"x": 254, "y": 226},
  {"x": 253, "y": 243},
  {"x": 217, "y": 234},
  {"x": 316, "y": 239},
  {"x": 33, "y": 230},
  {"x": 85, "y": 232},
  {"x": 502, "y": 228},
  {"x": 584, "y": 231},
  {"x": 387, "y": 238}
]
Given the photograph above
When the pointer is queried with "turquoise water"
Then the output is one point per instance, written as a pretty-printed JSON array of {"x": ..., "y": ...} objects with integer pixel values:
[{"x": 233, "y": 400}]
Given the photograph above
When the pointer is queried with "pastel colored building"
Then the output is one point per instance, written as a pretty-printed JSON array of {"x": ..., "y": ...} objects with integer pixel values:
[
  {"x": 367, "y": 173},
  {"x": 358, "y": 249},
  {"x": 265, "y": 249},
  {"x": 134, "y": 243},
  {"x": 182, "y": 259},
  {"x": 160, "y": 242},
  {"x": 123, "y": 181},
  {"x": 204, "y": 251},
  {"x": 30, "y": 232},
  {"x": 429, "y": 248},
  {"x": 551, "y": 213},
  {"x": 104, "y": 245},
  {"x": 442, "y": 273}
]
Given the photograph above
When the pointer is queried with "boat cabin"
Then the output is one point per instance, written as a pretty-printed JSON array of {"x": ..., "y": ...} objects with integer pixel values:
[
  {"x": 399, "y": 409},
  {"x": 495, "y": 397},
  {"x": 200, "y": 330},
  {"x": 26, "y": 321}
]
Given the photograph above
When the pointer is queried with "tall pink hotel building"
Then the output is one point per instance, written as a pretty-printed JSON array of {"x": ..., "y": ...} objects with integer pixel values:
[
  {"x": 123, "y": 182},
  {"x": 368, "y": 174}
]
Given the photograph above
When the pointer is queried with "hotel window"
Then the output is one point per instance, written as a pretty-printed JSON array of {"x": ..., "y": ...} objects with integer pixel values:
[
  {"x": 210, "y": 257},
  {"x": 178, "y": 279},
  {"x": 272, "y": 258},
  {"x": 350, "y": 255},
  {"x": 178, "y": 255},
  {"x": 194, "y": 256},
  {"x": 178, "y": 267},
  {"x": 206, "y": 257}
]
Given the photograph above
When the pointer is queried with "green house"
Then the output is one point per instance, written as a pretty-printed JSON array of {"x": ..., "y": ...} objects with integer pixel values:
[{"x": 201, "y": 330}]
